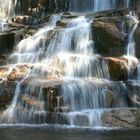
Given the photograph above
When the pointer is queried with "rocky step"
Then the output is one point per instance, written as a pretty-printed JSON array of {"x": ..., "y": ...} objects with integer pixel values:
[
  {"x": 58, "y": 94},
  {"x": 99, "y": 67},
  {"x": 111, "y": 118}
]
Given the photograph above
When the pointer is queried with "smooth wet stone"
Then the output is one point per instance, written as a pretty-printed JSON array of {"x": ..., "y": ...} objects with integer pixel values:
[
  {"x": 7, "y": 42},
  {"x": 137, "y": 41},
  {"x": 124, "y": 118},
  {"x": 108, "y": 38},
  {"x": 133, "y": 89},
  {"x": 118, "y": 67}
]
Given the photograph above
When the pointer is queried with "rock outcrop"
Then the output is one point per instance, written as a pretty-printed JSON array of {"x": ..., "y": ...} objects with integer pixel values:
[{"x": 109, "y": 40}]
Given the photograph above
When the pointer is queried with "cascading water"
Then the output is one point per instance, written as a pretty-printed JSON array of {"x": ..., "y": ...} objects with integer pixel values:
[
  {"x": 6, "y": 10},
  {"x": 84, "y": 90},
  {"x": 85, "y": 78},
  {"x": 133, "y": 24},
  {"x": 132, "y": 27},
  {"x": 97, "y": 5}
]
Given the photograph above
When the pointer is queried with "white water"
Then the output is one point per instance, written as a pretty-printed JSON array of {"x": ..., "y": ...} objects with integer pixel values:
[
  {"x": 30, "y": 49},
  {"x": 133, "y": 21},
  {"x": 85, "y": 79},
  {"x": 25, "y": 54},
  {"x": 132, "y": 28}
]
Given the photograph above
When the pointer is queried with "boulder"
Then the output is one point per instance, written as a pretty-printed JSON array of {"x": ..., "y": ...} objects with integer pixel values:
[
  {"x": 108, "y": 38},
  {"x": 124, "y": 118},
  {"x": 119, "y": 67},
  {"x": 7, "y": 47}
]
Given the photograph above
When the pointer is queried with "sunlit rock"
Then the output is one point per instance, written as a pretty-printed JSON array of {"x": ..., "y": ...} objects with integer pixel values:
[{"x": 119, "y": 67}]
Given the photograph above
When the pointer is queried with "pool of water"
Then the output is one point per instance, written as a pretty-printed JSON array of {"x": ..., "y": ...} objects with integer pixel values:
[{"x": 30, "y": 132}]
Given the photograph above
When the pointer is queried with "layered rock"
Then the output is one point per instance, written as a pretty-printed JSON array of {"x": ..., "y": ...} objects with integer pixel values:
[
  {"x": 109, "y": 39},
  {"x": 119, "y": 67},
  {"x": 124, "y": 118}
]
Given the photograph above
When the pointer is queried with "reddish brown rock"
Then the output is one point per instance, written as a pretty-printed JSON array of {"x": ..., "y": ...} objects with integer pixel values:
[{"x": 118, "y": 67}]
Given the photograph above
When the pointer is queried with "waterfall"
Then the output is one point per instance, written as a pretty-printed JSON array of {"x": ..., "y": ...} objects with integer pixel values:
[
  {"x": 85, "y": 87},
  {"x": 132, "y": 21},
  {"x": 65, "y": 60},
  {"x": 96, "y": 5},
  {"x": 6, "y": 8},
  {"x": 25, "y": 53},
  {"x": 132, "y": 28},
  {"x": 127, "y": 3},
  {"x": 29, "y": 50}
]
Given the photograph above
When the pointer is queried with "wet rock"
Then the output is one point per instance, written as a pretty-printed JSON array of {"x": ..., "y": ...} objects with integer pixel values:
[
  {"x": 52, "y": 71},
  {"x": 133, "y": 91},
  {"x": 7, "y": 47},
  {"x": 62, "y": 23},
  {"x": 7, "y": 90},
  {"x": 18, "y": 72},
  {"x": 118, "y": 67},
  {"x": 125, "y": 118},
  {"x": 26, "y": 20},
  {"x": 137, "y": 41},
  {"x": 109, "y": 39}
]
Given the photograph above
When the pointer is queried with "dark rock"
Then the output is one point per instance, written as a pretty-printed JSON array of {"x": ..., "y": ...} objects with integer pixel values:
[
  {"x": 7, "y": 42},
  {"x": 137, "y": 41},
  {"x": 133, "y": 91},
  {"x": 125, "y": 118},
  {"x": 109, "y": 40}
]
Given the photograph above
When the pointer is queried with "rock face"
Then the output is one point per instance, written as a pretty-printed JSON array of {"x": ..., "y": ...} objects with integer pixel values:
[
  {"x": 7, "y": 43},
  {"x": 126, "y": 118},
  {"x": 37, "y": 6},
  {"x": 133, "y": 89},
  {"x": 119, "y": 67},
  {"x": 137, "y": 41},
  {"x": 109, "y": 39},
  {"x": 7, "y": 90}
]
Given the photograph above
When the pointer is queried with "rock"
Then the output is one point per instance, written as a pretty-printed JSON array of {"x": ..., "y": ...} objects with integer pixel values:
[
  {"x": 124, "y": 118},
  {"x": 137, "y": 41},
  {"x": 62, "y": 23},
  {"x": 109, "y": 40},
  {"x": 7, "y": 47},
  {"x": 18, "y": 72},
  {"x": 118, "y": 67},
  {"x": 7, "y": 90},
  {"x": 133, "y": 91},
  {"x": 26, "y": 20}
]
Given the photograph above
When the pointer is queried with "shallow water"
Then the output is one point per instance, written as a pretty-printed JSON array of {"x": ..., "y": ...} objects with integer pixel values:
[{"x": 64, "y": 133}]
